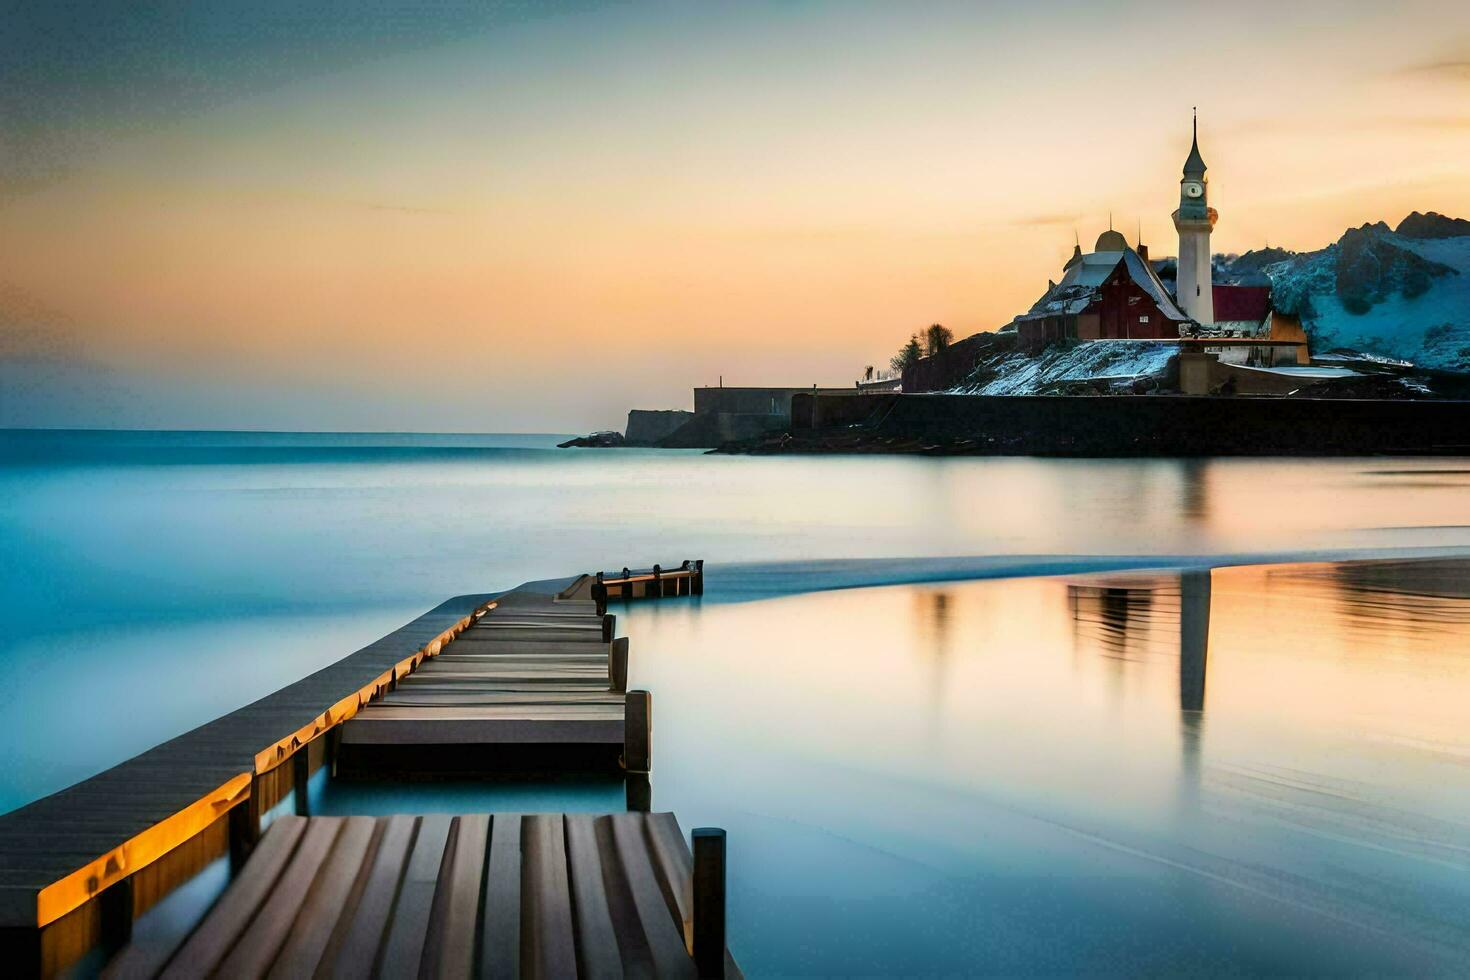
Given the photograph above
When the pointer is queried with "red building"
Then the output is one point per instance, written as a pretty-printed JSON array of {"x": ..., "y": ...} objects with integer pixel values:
[{"x": 1109, "y": 293}]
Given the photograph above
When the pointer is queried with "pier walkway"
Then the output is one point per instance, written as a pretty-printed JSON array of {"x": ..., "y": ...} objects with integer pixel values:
[
  {"x": 535, "y": 665},
  {"x": 499, "y": 895},
  {"x": 538, "y": 670}
]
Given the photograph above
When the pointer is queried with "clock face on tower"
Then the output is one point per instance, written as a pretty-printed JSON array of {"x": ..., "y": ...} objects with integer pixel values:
[{"x": 1193, "y": 189}]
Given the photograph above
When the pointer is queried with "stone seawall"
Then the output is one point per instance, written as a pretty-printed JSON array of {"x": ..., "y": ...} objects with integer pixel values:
[
  {"x": 1160, "y": 425},
  {"x": 647, "y": 426}
]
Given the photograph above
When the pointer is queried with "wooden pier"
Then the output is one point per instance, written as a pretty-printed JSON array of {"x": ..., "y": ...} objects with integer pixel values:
[
  {"x": 649, "y": 583},
  {"x": 496, "y": 895},
  {"x": 534, "y": 667},
  {"x": 537, "y": 670}
]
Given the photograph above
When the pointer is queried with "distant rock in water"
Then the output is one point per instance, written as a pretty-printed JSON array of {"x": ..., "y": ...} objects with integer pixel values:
[
  {"x": 1432, "y": 225},
  {"x": 597, "y": 440}
]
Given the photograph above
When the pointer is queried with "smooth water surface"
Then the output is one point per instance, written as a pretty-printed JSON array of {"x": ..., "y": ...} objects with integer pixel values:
[
  {"x": 152, "y": 581},
  {"x": 1036, "y": 775}
]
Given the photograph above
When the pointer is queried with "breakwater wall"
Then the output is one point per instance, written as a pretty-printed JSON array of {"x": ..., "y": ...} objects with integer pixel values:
[{"x": 1163, "y": 425}]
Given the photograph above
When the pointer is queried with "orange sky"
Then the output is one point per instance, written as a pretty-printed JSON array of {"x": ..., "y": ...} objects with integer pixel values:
[{"x": 538, "y": 225}]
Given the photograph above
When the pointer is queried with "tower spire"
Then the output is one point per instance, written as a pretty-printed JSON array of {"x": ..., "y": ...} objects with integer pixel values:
[{"x": 1195, "y": 165}]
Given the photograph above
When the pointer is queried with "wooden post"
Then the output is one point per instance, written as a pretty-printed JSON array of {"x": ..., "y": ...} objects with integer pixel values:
[
  {"x": 709, "y": 901},
  {"x": 617, "y": 665},
  {"x": 115, "y": 912},
  {"x": 639, "y": 792},
  {"x": 245, "y": 827},
  {"x": 638, "y": 732},
  {"x": 301, "y": 777},
  {"x": 699, "y": 577},
  {"x": 609, "y": 627},
  {"x": 334, "y": 747},
  {"x": 599, "y": 595},
  {"x": 656, "y": 590}
]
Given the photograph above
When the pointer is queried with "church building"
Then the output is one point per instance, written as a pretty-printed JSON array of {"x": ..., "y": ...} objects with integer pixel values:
[
  {"x": 1115, "y": 293},
  {"x": 1111, "y": 292}
]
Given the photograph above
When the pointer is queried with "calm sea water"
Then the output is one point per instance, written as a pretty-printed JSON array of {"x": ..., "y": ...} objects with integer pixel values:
[{"x": 917, "y": 778}]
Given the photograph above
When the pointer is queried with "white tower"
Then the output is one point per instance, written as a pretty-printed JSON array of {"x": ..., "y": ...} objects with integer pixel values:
[{"x": 1194, "y": 221}]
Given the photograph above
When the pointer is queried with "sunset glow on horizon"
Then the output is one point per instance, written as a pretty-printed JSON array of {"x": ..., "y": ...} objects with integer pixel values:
[{"x": 487, "y": 221}]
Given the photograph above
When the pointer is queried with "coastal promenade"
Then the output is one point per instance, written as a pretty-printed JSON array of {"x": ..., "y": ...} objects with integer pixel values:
[{"x": 524, "y": 669}]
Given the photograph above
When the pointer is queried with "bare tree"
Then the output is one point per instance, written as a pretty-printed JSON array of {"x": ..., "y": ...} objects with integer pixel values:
[{"x": 937, "y": 338}]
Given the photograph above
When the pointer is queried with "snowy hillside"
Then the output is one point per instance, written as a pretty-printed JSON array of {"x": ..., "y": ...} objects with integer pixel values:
[
  {"x": 1099, "y": 367},
  {"x": 1403, "y": 293}
]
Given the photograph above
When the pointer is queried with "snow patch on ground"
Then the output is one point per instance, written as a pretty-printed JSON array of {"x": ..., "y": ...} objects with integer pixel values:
[{"x": 1116, "y": 363}]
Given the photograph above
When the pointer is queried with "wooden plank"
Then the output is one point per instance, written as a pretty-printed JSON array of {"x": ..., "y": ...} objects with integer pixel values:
[
  {"x": 353, "y": 950},
  {"x": 484, "y": 731},
  {"x": 450, "y": 952},
  {"x": 598, "y": 956},
  {"x": 674, "y": 869},
  {"x": 501, "y": 932},
  {"x": 328, "y": 900},
  {"x": 207, "y": 947},
  {"x": 544, "y": 711},
  {"x": 433, "y": 697},
  {"x": 550, "y": 950},
  {"x": 258, "y": 947},
  {"x": 404, "y": 947},
  {"x": 648, "y": 912}
]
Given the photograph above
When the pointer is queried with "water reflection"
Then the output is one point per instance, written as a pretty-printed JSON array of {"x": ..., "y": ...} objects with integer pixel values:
[
  {"x": 306, "y": 546},
  {"x": 920, "y": 780}
]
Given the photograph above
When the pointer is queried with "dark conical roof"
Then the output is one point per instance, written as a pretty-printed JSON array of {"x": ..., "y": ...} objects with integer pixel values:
[{"x": 1196, "y": 163}]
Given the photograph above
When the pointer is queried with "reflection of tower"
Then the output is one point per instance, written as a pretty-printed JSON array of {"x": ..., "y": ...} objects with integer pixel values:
[
  {"x": 1194, "y": 642},
  {"x": 935, "y": 608},
  {"x": 1195, "y": 476},
  {"x": 1194, "y": 637}
]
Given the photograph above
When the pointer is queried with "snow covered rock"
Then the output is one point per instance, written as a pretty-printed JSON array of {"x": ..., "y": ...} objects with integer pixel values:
[{"x": 1399, "y": 293}]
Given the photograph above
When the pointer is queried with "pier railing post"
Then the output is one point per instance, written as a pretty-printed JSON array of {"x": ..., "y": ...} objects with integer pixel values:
[
  {"x": 609, "y": 627},
  {"x": 301, "y": 779},
  {"x": 244, "y": 827},
  {"x": 617, "y": 665},
  {"x": 656, "y": 590},
  {"x": 709, "y": 901},
  {"x": 638, "y": 732},
  {"x": 599, "y": 595},
  {"x": 699, "y": 577},
  {"x": 638, "y": 791},
  {"x": 115, "y": 911}
]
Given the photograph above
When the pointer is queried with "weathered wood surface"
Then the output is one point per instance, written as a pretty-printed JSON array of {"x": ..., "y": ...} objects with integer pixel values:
[
  {"x": 502, "y": 895},
  {"x": 59, "y": 851},
  {"x": 536, "y": 669}
]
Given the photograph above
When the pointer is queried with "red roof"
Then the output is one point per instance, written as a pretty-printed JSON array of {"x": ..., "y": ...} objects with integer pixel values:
[{"x": 1242, "y": 303}]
